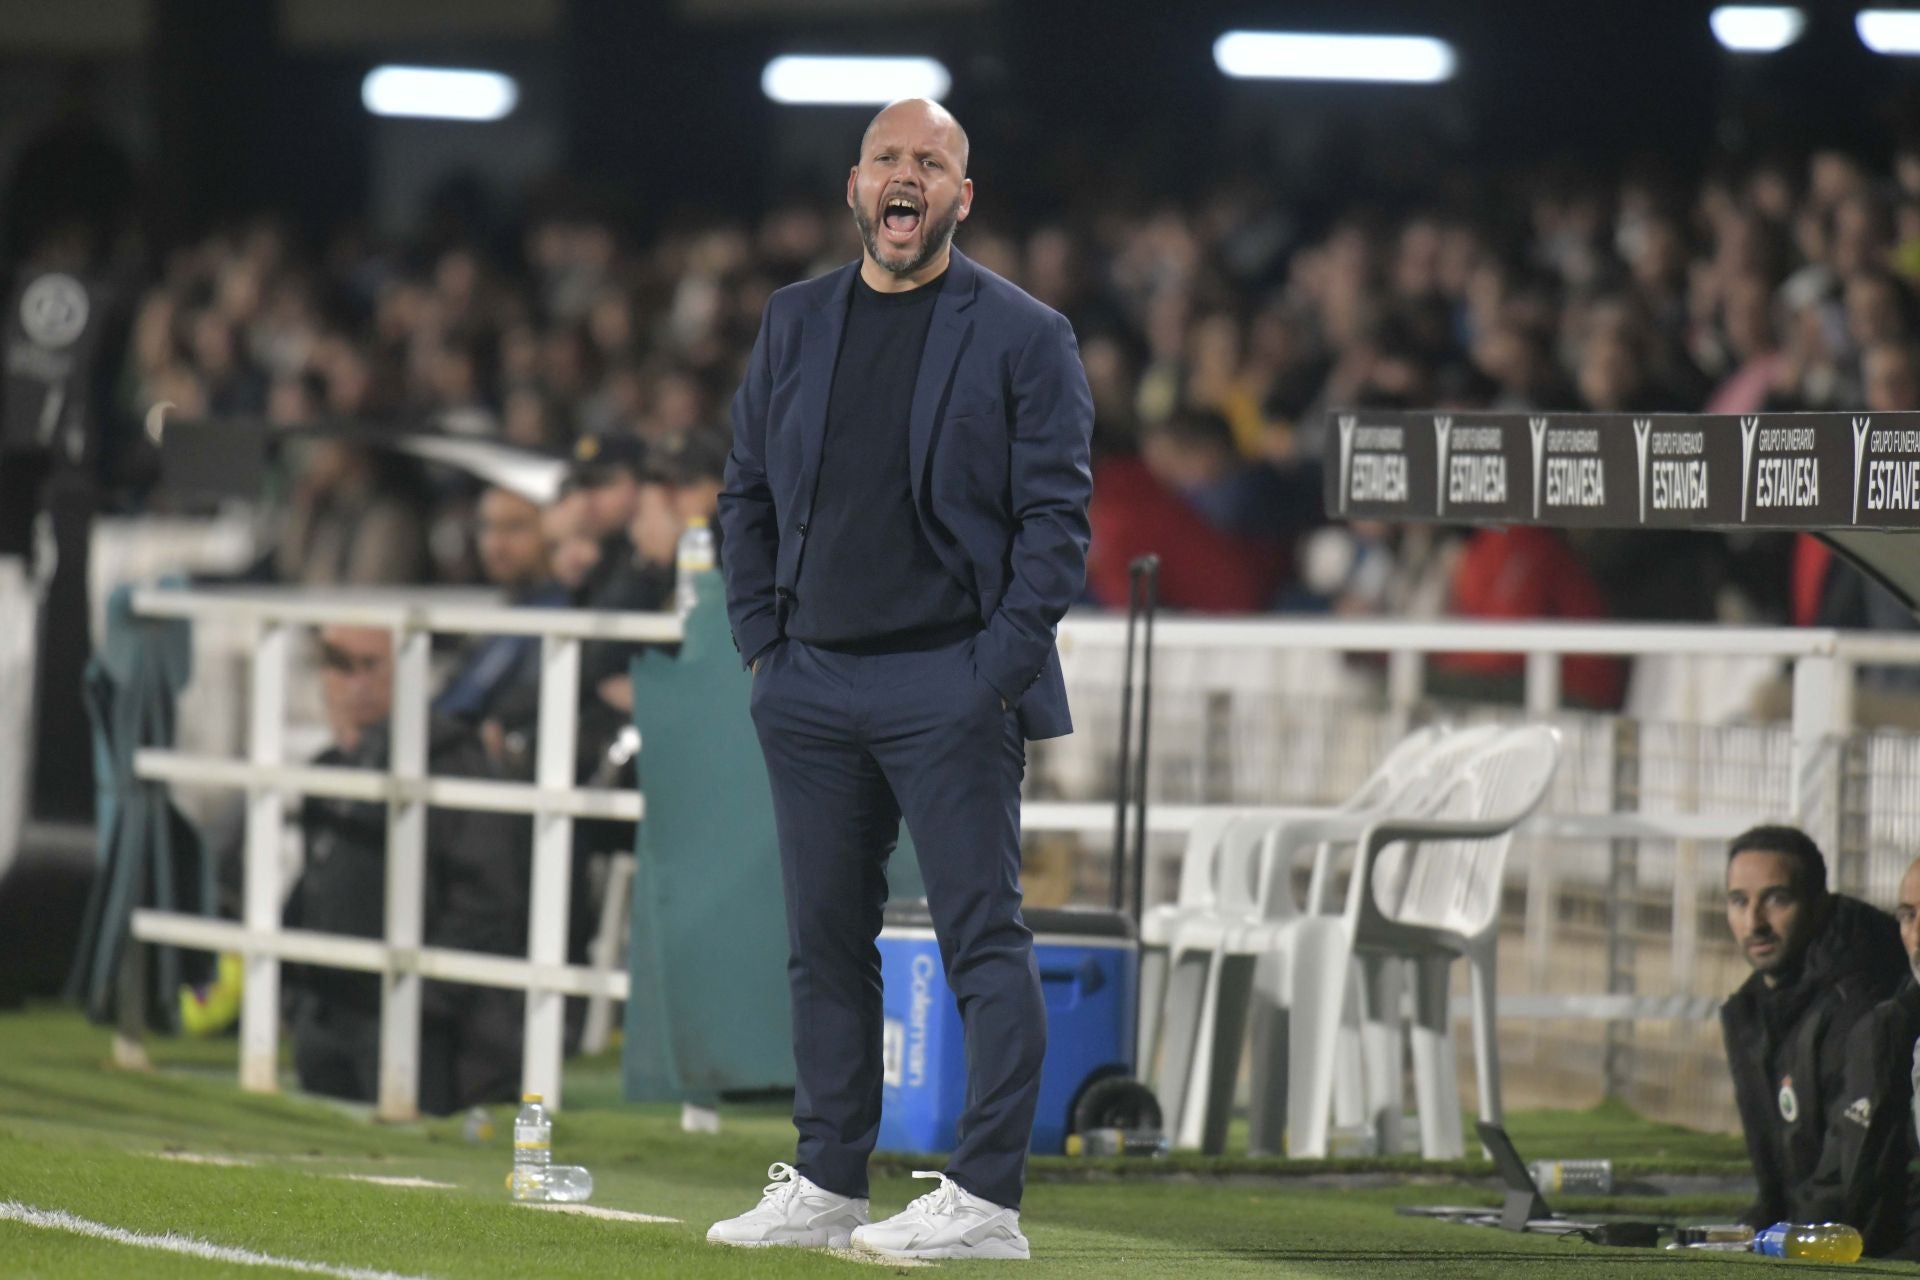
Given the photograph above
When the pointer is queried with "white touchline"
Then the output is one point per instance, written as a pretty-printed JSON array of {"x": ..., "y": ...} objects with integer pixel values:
[
  {"x": 60, "y": 1220},
  {"x": 595, "y": 1211}
]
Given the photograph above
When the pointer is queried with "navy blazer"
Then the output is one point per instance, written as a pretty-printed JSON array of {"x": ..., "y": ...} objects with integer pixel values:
[{"x": 999, "y": 436}]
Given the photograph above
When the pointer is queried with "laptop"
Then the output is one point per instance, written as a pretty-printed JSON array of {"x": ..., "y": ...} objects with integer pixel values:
[{"x": 1525, "y": 1208}]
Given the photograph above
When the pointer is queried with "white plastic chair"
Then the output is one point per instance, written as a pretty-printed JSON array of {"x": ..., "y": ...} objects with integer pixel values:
[
  {"x": 1438, "y": 902},
  {"x": 1188, "y": 1031},
  {"x": 1368, "y": 1090},
  {"x": 1159, "y": 924},
  {"x": 1205, "y": 1003}
]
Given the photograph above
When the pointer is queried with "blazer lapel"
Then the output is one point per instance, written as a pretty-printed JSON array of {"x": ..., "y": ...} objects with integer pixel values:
[
  {"x": 819, "y": 352},
  {"x": 946, "y": 337}
]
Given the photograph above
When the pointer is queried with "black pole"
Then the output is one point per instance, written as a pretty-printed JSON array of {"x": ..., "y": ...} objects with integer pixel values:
[
  {"x": 1147, "y": 570},
  {"x": 1124, "y": 765}
]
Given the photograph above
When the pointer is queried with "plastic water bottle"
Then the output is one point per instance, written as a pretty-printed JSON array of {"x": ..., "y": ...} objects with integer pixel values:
[
  {"x": 534, "y": 1176},
  {"x": 555, "y": 1184},
  {"x": 1573, "y": 1177},
  {"x": 568, "y": 1183},
  {"x": 1814, "y": 1242},
  {"x": 532, "y": 1149},
  {"x": 1726, "y": 1236},
  {"x": 692, "y": 557},
  {"x": 478, "y": 1126}
]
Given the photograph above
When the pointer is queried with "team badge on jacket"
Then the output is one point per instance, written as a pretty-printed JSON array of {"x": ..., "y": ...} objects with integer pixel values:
[{"x": 1789, "y": 1101}]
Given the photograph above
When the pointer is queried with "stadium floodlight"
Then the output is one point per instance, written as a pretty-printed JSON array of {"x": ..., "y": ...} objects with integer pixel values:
[
  {"x": 439, "y": 93},
  {"x": 1302, "y": 55},
  {"x": 1894, "y": 32},
  {"x": 851, "y": 80},
  {"x": 1756, "y": 28}
]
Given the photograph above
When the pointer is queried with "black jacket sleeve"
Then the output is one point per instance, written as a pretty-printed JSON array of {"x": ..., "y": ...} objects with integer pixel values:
[
  {"x": 1873, "y": 1134},
  {"x": 1740, "y": 1033}
]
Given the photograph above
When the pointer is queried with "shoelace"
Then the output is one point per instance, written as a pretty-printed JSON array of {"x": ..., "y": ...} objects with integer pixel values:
[
  {"x": 779, "y": 1192},
  {"x": 944, "y": 1199}
]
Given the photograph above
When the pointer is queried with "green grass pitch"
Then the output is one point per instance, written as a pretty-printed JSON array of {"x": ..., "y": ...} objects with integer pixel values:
[{"x": 79, "y": 1137}]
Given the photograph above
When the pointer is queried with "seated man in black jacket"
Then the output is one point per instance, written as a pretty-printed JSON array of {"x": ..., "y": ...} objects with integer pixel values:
[
  {"x": 1821, "y": 961},
  {"x": 476, "y": 900},
  {"x": 1869, "y": 1167}
]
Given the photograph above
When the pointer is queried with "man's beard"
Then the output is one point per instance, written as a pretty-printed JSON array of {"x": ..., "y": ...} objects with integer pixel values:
[{"x": 934, "y": 237}]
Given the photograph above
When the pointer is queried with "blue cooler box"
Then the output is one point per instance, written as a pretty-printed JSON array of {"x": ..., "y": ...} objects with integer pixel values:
[{"x": 1089, "y": 971}]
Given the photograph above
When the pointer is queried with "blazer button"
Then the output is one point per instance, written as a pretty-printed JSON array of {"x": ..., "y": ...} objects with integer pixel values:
[{"x": 803, "y": 529}]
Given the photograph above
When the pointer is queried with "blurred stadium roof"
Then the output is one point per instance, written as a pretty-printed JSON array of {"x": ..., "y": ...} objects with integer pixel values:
[{"x": 234, "y": 105}]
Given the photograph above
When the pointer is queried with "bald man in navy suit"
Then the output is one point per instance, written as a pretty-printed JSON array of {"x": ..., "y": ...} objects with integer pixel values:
[{"x": 905, "y": 517}]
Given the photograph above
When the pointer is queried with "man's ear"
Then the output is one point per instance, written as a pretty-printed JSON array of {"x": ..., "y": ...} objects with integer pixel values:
[
  {"x": 853, "y": 180},
  {"x": 966, "y": 198}
]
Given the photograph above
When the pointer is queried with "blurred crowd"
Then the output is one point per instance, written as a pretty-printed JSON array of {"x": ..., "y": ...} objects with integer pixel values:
[{"x": 1215, "y": 333}]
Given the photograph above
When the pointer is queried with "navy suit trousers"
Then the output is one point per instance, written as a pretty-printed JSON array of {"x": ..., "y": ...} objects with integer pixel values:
[{"x": 853, "y": 743}]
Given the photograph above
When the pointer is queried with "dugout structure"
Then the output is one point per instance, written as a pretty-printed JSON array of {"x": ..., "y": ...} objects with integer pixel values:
[{"x": 1850, "y": 478}]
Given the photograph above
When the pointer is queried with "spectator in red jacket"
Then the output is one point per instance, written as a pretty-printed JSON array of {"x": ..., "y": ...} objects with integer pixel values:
[
  {"x": 1201, "y": 568},
  {"x": 1518, "y": 573},
  {"x": 1220, "y": 524}
]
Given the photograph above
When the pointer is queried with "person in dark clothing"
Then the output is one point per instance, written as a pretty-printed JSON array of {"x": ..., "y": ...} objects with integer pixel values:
[
  {"x": 476, "y": 900},
  {"x": 634, "y": 573},
  {"x": 906, "y": 522},
  {"x": 620, "y": 479},
  {"x": 513, "y": 553},
  {"x": 609, "y": 471},
  {"x": 1869, "y": 1168},
  {"x": 1821, "y": 962},
  {"x": 620, "y": 505}
]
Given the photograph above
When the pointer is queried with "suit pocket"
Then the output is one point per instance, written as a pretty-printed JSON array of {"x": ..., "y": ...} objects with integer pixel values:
[
  {"x": 976, "y": 409},
  {"x": 971, "y": 460}
]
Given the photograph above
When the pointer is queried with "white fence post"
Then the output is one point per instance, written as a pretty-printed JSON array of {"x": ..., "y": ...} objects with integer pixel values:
[
  {"x": 552, "y": 866},
  {"x": 266, "y": 813},
  {"x": 1822, "y": 717},
  {"x": 1406, "y": 685},
  {"x": 1543, "y": 683},
  {"x": 19, "y": 625},
  {"x": 399, "y": 1096}
]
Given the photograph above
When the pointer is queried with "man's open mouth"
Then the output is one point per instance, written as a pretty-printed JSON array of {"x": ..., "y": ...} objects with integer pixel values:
[{"x": 900, "y": 215}]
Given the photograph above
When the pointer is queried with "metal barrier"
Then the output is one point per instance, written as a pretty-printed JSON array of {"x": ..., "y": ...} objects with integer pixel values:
[{"x": 552, "y": 800}]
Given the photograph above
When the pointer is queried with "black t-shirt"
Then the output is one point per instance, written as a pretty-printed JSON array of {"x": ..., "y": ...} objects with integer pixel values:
[{"x": 869, "y": 579}]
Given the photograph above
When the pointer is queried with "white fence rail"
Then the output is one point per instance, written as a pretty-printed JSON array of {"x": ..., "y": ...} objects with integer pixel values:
[
  {"x": 1822, "y": 663},
  {"x": 1246, "y": 713},
  {"x": 552, "y": 801}
]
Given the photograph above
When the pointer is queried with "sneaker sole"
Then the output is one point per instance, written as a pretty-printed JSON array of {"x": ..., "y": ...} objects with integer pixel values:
[
  {"x": 1001, "y": 1250},
  {"x": 811, "y": 1240}
]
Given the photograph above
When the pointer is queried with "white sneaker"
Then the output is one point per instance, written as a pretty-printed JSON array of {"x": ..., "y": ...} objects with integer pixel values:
[
  {"x": 946, "y": 1223},
  {"x": 793, "y": 1211}
]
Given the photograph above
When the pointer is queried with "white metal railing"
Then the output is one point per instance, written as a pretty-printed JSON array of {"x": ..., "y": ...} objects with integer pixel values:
[{"x": 551, "y": 800}]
